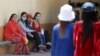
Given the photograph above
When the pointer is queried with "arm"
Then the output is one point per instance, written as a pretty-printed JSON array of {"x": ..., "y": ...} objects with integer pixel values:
[
  {"x": 75, "y": 34},
  {"x": 75, "y": 39},
  {"x": 24, "y": 27},
  {"x": 30, "y": 34},
  {"x": 97, "y": 40},
  {"x": 53, "y": 43},
  {"x": 19, "y": 32},
  {"x": 21, "y": 35},
  {"x": 71, "y": 34},
  {"x": 9, "y": 31}
]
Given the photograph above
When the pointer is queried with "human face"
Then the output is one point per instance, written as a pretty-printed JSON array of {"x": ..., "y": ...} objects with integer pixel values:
[
  {"x": 14, "y": 18},
  {"x": 24, "y": 17},
  {"x": 30, "y": 19},
  {"x": 38, "y": 17}
]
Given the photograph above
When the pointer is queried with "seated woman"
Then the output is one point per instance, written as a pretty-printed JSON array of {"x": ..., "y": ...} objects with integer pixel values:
[
  {"x": 23, "y": 24},
  {"x": 13, "y": 33},
  {"x": 40, "y": 30},
  {"x": 33, "y": 35}
]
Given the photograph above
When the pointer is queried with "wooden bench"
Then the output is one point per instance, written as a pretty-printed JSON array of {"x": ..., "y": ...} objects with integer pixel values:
[{"x": 6, "y": 47}]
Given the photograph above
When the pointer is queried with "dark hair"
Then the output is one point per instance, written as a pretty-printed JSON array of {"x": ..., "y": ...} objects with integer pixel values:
[
  {"x": 12, "y": 16},
  {"x": 96, "y": 13},
  {"x": 26, "y": 21},
  {"x": 88, "y": 19},
  {"x": 23, "y": 14},
  {"x": 77, "y": 15},
  {"x": 36, "y": 15}
]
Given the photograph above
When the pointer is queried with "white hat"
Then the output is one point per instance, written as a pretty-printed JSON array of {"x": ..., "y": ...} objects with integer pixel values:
[{"x": 66, "y": 13}]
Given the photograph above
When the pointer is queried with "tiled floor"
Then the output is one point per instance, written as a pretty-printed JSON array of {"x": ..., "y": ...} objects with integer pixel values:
[{"x": 32, "y": 54}]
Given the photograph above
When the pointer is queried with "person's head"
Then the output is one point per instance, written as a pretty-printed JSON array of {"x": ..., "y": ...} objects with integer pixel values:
[
  {"x": 66, "y": 14},
  {"x": 37, "y": 16},
  {"x": 88, "y": 17},
  {"x": 77, "y": 15},
  {"x": 23, "y": 16},
  {"x": 30, "y": 17},
  {"x": 13, "y": 17},
  {"x": 96, "y": 13}
]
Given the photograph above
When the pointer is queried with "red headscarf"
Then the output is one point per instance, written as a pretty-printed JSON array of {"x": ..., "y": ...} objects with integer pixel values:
[{"x": 29, "y": 15}]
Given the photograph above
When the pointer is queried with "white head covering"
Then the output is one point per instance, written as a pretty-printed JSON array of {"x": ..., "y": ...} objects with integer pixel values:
[{"x": 66, "y": 13}]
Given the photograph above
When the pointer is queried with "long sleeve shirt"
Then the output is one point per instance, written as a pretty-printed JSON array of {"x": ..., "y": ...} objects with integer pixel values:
[
  {"x": 24, "y": 28},
  {"x": 11, "y": 30},
  {"x": 62, "y": 46},
  {"x": 91, "y": 46}
]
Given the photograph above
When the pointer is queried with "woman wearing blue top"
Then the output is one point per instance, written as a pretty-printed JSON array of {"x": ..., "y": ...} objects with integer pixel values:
[{"x": 62, "y": 36}]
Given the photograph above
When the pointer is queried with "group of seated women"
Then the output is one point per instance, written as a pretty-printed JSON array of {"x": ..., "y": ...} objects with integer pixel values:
[{"x": 26, "y": 29}]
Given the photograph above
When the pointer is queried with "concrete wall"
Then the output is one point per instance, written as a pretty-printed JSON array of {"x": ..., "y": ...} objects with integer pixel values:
[{"x": 48, "y": 8}]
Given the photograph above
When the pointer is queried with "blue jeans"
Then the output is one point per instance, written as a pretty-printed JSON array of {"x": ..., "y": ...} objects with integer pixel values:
[{"x": 42, "y": 38}]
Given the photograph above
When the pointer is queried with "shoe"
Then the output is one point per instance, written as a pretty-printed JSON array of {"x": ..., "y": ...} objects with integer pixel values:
[
  {"x": 48, "y": 43},
  {"x": 41, "y": 51}
]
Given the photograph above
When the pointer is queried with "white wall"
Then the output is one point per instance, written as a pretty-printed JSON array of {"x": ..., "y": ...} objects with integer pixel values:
[
  {"x": 44, "y": 7},
  {"x": 7, "y": 7},
  {"x": 48, "y": 8}
]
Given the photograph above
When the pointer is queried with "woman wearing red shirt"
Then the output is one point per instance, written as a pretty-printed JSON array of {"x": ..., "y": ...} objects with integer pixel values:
[
  {"x": 87, "y": 33},
  {"x": 13, "y": 33},
  {"x": 36, "y": 23},
  {"x": 41, "y": 32}
]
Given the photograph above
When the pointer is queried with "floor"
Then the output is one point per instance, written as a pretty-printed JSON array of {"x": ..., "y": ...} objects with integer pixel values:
[{"x": 32, "y": 54}]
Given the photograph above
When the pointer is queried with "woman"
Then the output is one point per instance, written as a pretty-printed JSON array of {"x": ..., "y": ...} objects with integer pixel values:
[
  {"x": 13, "y": 33},
  {"x": 62, "y": 36},
  {"x": 87, "y": 33},
  {"x": 36, "y": 23},
  {"x": 97, "y": 14},
  {"x": 40, "y": 30},
  {"x": 23, "y": 24},
  {"x": 33, "y": 35}
]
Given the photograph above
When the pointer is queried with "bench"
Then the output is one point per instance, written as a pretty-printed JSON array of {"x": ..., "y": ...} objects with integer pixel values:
[{"x": 6, "y": 47}]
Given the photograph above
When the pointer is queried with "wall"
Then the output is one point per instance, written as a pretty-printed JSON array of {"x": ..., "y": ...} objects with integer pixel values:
[
  {"x": 43, "y": 6},
  {"x": 48, "y": 8},
  {"x": 13, "y": 6},
  {"x": 7, "y": 7}
]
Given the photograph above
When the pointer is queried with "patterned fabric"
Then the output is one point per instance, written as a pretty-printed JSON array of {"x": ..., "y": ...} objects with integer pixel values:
[{"x": 13, "y": 33}]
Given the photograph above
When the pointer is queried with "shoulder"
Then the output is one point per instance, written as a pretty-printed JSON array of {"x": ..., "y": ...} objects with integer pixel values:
[
  {"x": 78, "y": 23},
  {"x": 20, "y": 22},
  {"x": 71, "y": 25},
  {"x": 78, "y": 26},
  {"x": 9, "y": 22},
  {"x": 56, "y": 27},
  {"x": 97, "y": 25}
]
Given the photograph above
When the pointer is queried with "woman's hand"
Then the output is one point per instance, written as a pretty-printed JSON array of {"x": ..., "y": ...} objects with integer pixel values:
[{"x": 25, "y": 40}]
